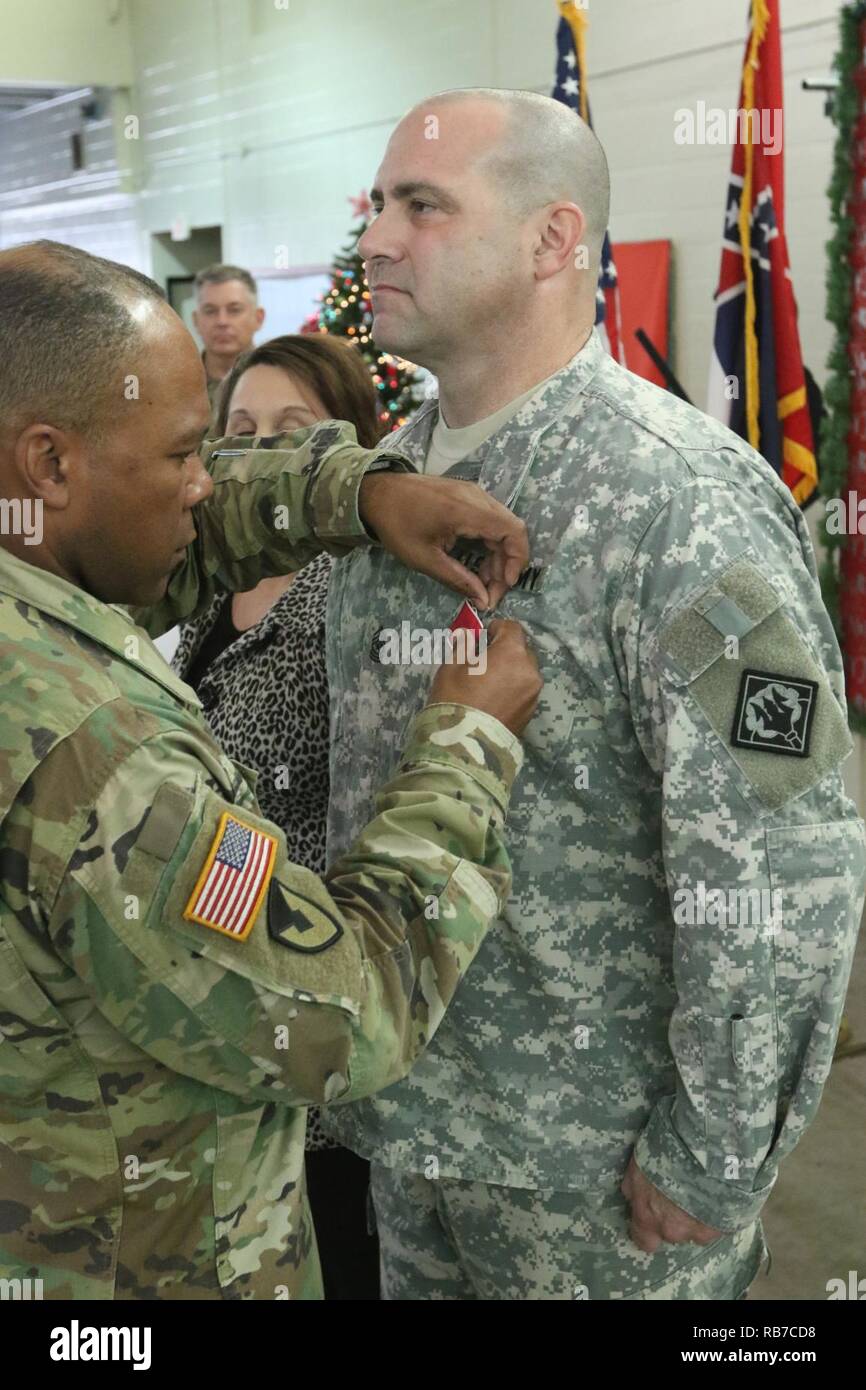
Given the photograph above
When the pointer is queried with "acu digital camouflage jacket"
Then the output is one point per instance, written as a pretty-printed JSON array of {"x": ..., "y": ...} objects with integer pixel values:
[{"x": 688, "y": 872}]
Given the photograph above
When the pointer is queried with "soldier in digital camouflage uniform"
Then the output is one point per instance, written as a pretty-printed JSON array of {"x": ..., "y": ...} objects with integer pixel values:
[
  {"x": 173, "y": 991},
  {"x": 619, "y": 1027}
]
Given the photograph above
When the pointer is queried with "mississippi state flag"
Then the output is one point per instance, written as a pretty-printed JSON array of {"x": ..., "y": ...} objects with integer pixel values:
[
  {"x": 757, "y": 385},
  {"x": 570, "y": 88},
  {"x": 232, "y": 884}
]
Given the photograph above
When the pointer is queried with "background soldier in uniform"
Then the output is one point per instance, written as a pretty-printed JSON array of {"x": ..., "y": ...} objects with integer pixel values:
[
  {"x": 690, "y": 732},
  {"x": 173, "y": 991},
  {"x": 227, "y": 316}
]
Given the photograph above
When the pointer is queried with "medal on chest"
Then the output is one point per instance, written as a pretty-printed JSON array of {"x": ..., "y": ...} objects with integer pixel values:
[{"x": 466, "y": 619}]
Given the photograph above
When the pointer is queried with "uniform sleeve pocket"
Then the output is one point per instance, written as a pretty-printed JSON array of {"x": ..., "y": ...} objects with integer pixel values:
[
  {"x": 816, "y": 875},
  {"x": 740, "y": 1081}
]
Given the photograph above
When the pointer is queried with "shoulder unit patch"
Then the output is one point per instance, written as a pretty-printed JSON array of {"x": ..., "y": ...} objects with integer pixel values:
[
  {"x": 299, "y": 923},
  {"x": 775, "y": 713}
]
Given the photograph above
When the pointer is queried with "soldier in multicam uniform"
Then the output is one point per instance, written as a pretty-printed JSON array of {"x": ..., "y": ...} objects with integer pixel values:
[
  {"x": 173, "y": 991},
  {"x": 603, "y": 1112}
]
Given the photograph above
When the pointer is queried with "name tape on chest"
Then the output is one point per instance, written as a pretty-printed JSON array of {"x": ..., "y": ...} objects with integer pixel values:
[{"x": 530, "y": 578}]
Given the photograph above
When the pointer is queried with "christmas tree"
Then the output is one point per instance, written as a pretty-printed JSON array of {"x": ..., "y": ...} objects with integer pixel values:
[{"x": 346, "y": 311}]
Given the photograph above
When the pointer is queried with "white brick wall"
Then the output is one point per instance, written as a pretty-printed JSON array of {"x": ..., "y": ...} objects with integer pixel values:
[{"x": 263, "y": 120}]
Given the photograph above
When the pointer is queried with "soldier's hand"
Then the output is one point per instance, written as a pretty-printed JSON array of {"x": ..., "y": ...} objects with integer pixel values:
[
  {"x": 655, "y": 1218},
  {"x": 508, "y": 688},
  {"x": 420, "y": 519}
]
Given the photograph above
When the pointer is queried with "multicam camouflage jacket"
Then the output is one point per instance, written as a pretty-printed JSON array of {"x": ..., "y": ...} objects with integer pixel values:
[
  {"x": 687, "y": 870},
  {"x": 173, "y": 991}
]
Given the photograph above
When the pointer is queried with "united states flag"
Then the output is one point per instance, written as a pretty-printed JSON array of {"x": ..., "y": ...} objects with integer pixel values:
[
  {"x": 571, "y": 89},
  {"x": 233, "y": 882}
]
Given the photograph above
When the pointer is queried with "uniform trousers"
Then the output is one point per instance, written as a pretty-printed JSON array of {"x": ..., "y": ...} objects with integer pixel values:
[{"x": 447, "y": 1239}]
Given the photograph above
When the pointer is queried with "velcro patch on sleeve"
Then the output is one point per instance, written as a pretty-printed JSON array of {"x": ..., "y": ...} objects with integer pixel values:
[
  {"x": 731, "y": 607},
  {"x": 300, "y": 923},
  {"x": 234, "y": 880},
  {"x": 756, "y": 682},
  {"x": 165, "y": 822}
]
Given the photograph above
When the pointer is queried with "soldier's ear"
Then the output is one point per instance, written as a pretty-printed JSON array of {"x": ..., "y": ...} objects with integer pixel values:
[
  {"x": 43, "y": 455},
  {"x": 560, "y": 242}
]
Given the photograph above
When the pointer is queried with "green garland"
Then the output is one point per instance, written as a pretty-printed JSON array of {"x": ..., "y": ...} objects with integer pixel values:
[{"x": 837, "y": 391}]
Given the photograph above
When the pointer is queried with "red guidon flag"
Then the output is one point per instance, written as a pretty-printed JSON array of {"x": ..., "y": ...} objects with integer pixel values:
[{"x": 757, "y": 385}]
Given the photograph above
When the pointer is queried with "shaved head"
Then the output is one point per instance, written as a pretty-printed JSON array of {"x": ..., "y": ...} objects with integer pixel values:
[
  {"x": 102, "y": 409},
  {"x": 490, "y": 210},
  {"x": 545, "y": 153},
  {"x": 72, "y": 323}
]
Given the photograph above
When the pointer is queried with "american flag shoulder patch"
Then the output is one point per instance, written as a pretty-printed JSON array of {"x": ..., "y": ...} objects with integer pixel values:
[{"x": 234, "y": 880}]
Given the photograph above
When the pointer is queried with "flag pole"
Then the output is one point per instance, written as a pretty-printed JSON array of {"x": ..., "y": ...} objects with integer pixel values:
[
  {"x": 578, "y": 23},
  {"x": 760, "y": 21}
]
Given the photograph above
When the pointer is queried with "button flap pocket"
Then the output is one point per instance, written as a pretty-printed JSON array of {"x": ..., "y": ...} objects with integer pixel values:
[{"x": 740, "y": 1079}]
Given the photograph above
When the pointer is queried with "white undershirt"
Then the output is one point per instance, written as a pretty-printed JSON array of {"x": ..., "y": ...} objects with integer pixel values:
[{"x": 448, "y": 446}]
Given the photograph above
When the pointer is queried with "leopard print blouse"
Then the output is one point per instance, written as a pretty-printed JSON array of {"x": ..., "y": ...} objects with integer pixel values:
[{"x": 265, "y": 696}]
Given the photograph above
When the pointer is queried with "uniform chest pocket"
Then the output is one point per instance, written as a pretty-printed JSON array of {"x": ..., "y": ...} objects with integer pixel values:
[
  {"x": 547, "y": 739},
  {"x": 553, "y": 738},
  {"x": 365, "y": 646},
  {"x": 392, "y": 685}
]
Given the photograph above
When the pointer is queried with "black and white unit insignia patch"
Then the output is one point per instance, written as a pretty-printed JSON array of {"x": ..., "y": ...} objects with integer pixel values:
[{"x": 775, "y": 713}]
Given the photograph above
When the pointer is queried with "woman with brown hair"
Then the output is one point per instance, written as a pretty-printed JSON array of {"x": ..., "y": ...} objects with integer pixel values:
[{"x": 257, "y": 663}]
